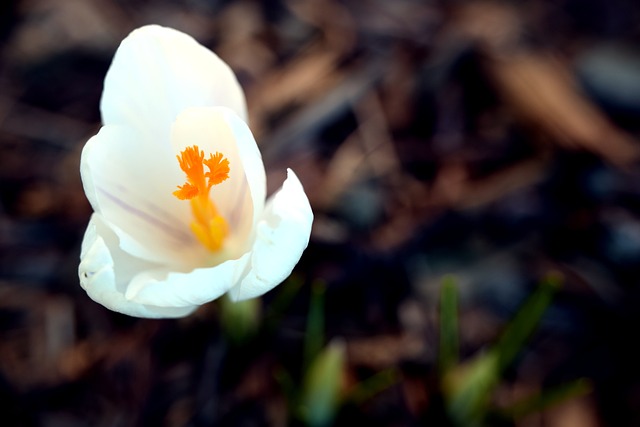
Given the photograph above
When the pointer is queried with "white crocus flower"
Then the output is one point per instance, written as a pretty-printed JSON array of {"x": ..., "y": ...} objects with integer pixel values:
[{"x": 178, "y": 186}]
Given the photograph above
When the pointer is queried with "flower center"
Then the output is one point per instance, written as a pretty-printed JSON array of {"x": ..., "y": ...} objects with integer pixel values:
[{"x": 208, "y": 225}]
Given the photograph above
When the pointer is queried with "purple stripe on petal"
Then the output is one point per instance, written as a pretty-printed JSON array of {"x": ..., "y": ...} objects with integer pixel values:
[
  {"x": 236, "y": 212},
  {"x": 174, "y": 232}
]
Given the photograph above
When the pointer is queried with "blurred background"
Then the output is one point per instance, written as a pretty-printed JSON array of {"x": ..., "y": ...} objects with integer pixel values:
[{"x": 487, "y": 143}]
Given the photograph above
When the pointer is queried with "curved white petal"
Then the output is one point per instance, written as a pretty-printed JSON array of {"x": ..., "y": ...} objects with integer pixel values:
[
  {"x": 240, "y": 198},
  {"x": 105, "y": 272},
  {"x": 251, "y": 160},
  {"x": 165, "y": 288},
  {"x": 158, "y": 72},
  {"x": 132, "y": 189},
  {"x": 282, "y": 235}
]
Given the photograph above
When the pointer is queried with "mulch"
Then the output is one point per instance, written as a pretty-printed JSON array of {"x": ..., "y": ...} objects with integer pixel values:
[{"x": 492, "y": 141}]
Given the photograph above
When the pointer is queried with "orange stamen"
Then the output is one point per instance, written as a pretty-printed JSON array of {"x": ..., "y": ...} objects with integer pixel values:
[
  {"x": 186, "y": 191},
  {"x": 218, "y": 168},
  {"x": 209, "y": 227}
]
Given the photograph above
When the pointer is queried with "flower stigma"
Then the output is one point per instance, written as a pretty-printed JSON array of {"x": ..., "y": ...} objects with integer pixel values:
[{"x": 209, "y": 227}]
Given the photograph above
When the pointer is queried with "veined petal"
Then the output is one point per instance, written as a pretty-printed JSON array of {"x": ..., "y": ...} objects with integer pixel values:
[
  {"x": 105, "y": 272},
  {"x": 158, "y": 72},
  {"x": 251, "y": 160},
  {"x": 165, "y": 288},
  {"x": 131, "y": 188},
  {"x": 240, "y": 198},
  {"x": 282, "y": 235}
]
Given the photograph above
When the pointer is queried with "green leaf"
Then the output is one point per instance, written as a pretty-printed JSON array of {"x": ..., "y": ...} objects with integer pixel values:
[
  {"x": 322, "y": 386},
  {"x": 469, "y": 388},
  {"x": 526, "y": 321},
  {"x": 239, "y": 320},
  {"x": 373, "y": 385},
  {"x": 448, "y": 350},
  {"x": 314, "y": 337}
]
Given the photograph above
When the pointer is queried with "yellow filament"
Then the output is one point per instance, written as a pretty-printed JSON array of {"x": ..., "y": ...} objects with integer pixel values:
[{"x": 209, "y": 227}]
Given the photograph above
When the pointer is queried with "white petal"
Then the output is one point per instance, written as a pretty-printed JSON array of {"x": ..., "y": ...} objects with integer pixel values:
[
  {"x": 240, "y": 198},
  {"x": 165, "y": 288},
  {"x": 132, "y": 189},
  {"x": 105, "y": 272},
  {"x": 158, "y": 72},
  {"x": 251, "y": 160},
  {"x": 282, "y": 235}
]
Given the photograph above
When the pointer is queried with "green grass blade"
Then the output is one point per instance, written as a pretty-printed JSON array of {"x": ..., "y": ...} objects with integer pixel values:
[
  {"x": 526, "y": 321},
  {"x": 373, "y": 385},
  {"x": 322, "y": 385},
  {"x": 449, "y": 341},
  {"x": 469, "y": 388},
  {"x": 314, "y": 336}
]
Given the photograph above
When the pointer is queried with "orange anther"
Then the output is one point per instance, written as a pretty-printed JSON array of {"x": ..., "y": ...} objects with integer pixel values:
[{"x": 218, "y": 169}]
